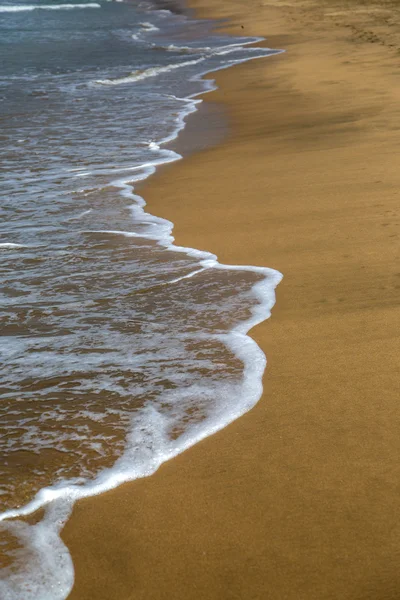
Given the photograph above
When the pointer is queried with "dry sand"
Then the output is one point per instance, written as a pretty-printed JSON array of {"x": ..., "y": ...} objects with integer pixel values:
[{"x": 300, "y": 498}]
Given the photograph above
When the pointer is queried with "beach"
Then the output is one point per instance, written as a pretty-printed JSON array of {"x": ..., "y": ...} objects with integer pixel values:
[{"x": 298, "y": 499}]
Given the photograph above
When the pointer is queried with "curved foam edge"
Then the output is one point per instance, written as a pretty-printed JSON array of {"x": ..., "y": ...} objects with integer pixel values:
[{"x": 55, "y": 577}]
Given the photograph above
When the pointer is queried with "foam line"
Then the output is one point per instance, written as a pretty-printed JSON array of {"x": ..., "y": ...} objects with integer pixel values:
[
  {"x": 14, "y": 8},
  {"x": 151, "y": 72}
]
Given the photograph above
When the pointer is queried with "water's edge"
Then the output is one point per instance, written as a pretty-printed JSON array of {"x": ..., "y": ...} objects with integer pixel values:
[{"x": 49, "y": 573}]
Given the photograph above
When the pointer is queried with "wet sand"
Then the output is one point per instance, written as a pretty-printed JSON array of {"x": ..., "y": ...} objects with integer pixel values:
[{"x": 298, "y": 499}]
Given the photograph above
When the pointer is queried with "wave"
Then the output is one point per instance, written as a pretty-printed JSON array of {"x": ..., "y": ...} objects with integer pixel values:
[
  {"x": 13, "y": 8},
  {"x": 206, "y": 52},
  {"x": 148, "y": 443}
]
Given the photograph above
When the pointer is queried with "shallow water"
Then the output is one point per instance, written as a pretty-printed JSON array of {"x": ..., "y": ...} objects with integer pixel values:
[{"x": 118, "y": 349}]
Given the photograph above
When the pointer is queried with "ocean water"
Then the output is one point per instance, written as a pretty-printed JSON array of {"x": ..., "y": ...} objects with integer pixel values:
[{"x": 118, "y": 349}]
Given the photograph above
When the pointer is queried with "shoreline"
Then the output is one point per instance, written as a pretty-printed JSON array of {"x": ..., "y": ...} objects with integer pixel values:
[
  {"x": 283, "y": 502},
  {"x": 238, "y": 340}
]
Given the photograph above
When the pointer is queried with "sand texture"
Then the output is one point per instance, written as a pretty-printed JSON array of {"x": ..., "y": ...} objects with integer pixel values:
[{"x": 300, "y": 498}]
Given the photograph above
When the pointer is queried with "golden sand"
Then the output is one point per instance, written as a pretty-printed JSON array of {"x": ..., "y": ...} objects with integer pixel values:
[{"x": 300, "y": 498}]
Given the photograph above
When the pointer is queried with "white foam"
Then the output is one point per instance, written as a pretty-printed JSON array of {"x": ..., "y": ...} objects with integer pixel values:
[
  {"x": 11, "y": 245},
  {"x": 149, "y": 26},
  {"x": 208, "y": 49},
  {"x": 148, "y": 444},
  {"x": 150, "y": 72},
  {"x": 184, "y": 49},
  {"x": 49, "y": 573},
  {"x": 13, "y": 8}
]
